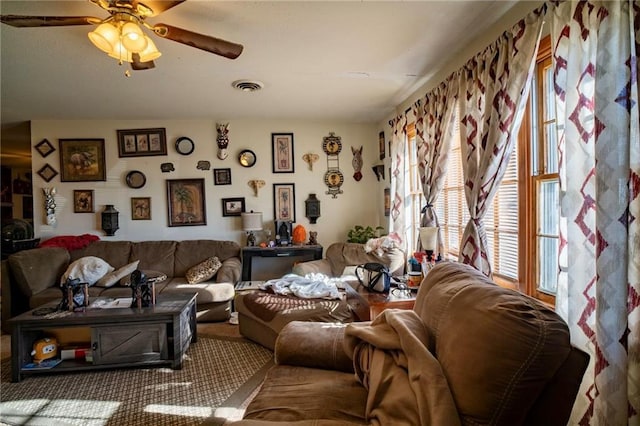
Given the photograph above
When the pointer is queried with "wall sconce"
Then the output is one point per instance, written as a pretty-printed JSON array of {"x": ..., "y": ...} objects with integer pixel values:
[
  {"x": 379, "y": 171},
  {"x": 110, "y": 220},
  {"x": 251, "y": 222},
  {"x": 312, "y": 208}
]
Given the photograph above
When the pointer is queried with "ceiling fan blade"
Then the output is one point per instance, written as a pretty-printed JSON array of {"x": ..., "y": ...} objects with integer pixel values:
[
  {"x": 47, "y": 21},
  {"x": 207, "y": 43},
  {"x": 137, "y": 65},
  {"x": 155, "y": 6}
]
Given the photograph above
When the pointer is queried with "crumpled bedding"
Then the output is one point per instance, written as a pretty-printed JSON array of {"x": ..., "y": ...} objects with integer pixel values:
[
  {"x": 311, "y": 286},
  {"x": 405, "y": 383}
]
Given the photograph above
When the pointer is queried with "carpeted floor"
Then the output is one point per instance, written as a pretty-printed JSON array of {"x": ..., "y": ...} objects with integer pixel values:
[{"x": 217, "y": 377}]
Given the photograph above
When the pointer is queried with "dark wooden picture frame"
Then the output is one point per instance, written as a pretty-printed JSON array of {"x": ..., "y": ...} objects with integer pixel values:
[
  {"x": 82, "y": 160},
  {"x": 142, "y": 142},
  {"x": 222, "y": 176},
  {"x": 47, "y": 173},
  {"x": 45, "y": 148},
  {"x": 282, "y": 154},
  {"x": 284, "y": 202},
  {"x": 381, "y": 145},
  {"x": 140, "y": 208},
  {"x": 186, "y": 204},
  {"x": 233, "y": 206},
  {"x": 83, "y": 201}
]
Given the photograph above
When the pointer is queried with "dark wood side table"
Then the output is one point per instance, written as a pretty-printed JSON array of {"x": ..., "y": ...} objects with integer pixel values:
[
  {"x": 367, "y": 305},
  {"x": 120, "y": 337},
  {"x": 264, "y": 263}
]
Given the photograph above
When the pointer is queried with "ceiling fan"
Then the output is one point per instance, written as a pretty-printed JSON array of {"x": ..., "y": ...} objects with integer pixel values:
[{"x": 120, "y": 35}]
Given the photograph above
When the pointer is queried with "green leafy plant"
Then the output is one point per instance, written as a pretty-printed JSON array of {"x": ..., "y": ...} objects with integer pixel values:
[{"x": 361, "y": 234}]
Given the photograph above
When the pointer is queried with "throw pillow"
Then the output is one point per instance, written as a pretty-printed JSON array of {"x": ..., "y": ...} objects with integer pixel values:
[
  {"x": 203, "y": 271},
  {"x": 112, "y": 278},
  {"x": 88, "y": 269},
  {"x": 156, "y": 276}
]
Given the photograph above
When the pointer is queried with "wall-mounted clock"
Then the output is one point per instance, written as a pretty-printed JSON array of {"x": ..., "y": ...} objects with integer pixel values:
[{"x": 184, "y": 145}]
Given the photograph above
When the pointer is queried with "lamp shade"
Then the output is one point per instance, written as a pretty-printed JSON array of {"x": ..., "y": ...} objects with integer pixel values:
[
  {"x": 133, "y": 38},
  {"x": 429, "y": 237},
  {"x": 151, "y": 52},
  {"x": 252, "y": 221},
  {"x": 104, "y": 37}
]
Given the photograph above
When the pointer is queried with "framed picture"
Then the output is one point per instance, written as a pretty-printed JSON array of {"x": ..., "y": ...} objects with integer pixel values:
[
  {"x": 142, "y": 142},
  {"x": 387, "y": 201},
  {"x": 47, "y": 173},
  {"x": 284, "y": 202},
  {"x": 282, "y": 151},
  {"x": 232, "y": 206},
  {"x": 381, "y": 145},
  {"x": 83, "y": 200},
  {"x": 186, "y": 202},
  {"x": 82, "y": 160},
  {"x": 222, "y": 176},
  {"x": 140, "y": 208},
  {"x": 45, "y": 148}
]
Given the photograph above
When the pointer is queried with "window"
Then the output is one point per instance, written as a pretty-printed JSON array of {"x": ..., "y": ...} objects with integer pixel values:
[{"x": 414, "y": 200}]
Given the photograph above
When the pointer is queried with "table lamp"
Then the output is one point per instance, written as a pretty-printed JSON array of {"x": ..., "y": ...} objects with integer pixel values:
[
  {"x": 429, "y": 240},
  {"x": 251, "y": 222}
]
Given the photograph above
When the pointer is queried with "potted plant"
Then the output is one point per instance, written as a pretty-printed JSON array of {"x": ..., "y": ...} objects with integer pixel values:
[{"x": 361, "y": 234}]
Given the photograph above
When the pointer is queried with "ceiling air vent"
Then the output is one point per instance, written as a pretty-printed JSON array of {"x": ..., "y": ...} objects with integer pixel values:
[{"x": 247, "y": 85}]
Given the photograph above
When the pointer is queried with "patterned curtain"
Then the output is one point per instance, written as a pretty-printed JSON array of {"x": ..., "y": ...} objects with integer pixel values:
[
  {"x": 494, "y": 87},
  {"x": 596, "y": 83},
  {"x": 397, "y": 153},
  {"x": 434, "y": 135}
]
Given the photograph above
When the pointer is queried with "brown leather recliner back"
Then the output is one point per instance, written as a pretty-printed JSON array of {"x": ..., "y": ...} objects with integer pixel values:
[{"x": 477, "y": 331}]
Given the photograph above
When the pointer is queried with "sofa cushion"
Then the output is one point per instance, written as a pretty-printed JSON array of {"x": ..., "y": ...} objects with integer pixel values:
[
  {"x": 112, "y": 278},
  {"x": 38, "y": 269},
  {"x": 155, "y": 255},
  {"x": 192, "y": 252},
  {"x": 115, "y": 253},
  {"x": 341, "y": 255},
  {"x": 207, "y": 292},
  {"x": 203, "y": 271},
  {"x": 482, "y": 330},
  {"x": 292, "y": 393}
]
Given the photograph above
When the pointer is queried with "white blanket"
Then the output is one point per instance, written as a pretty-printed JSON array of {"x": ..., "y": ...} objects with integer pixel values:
[{"x": 311, "y": 286}]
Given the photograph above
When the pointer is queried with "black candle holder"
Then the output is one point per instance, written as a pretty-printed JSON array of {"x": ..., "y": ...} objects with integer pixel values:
[
  {"x": 143, "y": 292},
  {"x": 74, "y": 295}
]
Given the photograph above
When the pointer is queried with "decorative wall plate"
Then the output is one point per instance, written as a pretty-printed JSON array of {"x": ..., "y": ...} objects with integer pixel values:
[
  {"x": 184, "y": 145},
  {"x": 333, "y": 178},
  {"x": 136, "y": 179},
  {"x": 247, "y": 158},
  {"x": 332, "y": 145}
]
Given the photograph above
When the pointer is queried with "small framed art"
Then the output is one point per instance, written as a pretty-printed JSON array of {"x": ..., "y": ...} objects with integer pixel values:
[
  {"x": 142, "y": 142},
  {"x": 186, "y": 202},
  {"x": 140, "y": 208},
  {"x": 83, "y": 201},
  {"x": 44, "y": 148},
  {"x": 82, "y": 160},
  {"x": 222, "y": 176},
  {"x": 232, "y": 206},
  {"x": 47, "y": 172},
  {"x": 381, "y": 145},
  {"x": 282, "y": 152},
  {"x": 284, "y": 202}
]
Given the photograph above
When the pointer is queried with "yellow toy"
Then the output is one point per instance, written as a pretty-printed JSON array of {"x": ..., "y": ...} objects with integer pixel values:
[{"x": 44, "y": 349}]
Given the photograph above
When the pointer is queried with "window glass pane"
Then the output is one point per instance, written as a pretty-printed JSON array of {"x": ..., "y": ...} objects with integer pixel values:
[
  {"x": 548, "y": 207},
  {"x": 550, "y": 107},
  {"x": 548, "y": 266},
  {"x": 551, "y": 147}
]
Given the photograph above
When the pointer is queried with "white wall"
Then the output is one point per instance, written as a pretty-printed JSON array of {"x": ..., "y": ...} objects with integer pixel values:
[{"x": 361, "y": 202}]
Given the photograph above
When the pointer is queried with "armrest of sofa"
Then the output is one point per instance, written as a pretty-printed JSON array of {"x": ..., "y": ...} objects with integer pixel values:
[
  {"x": 230, "y": 271},
  {"x": 320, "y": 266},
  {"x": 314, "y": 345}
]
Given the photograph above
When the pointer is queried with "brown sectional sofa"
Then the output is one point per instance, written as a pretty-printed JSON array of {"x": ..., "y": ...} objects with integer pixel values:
[
  {"x": 469, "y": 353},
  {"x": 31, "y": 278}
]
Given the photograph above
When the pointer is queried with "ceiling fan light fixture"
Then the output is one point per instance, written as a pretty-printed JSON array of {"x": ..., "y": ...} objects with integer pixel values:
[
  {"x": 133, "y": 38},
  {"x": 151, "y": 52},
  {"x": 104, "y": 37},
  {"x": 120, "y": 52}
]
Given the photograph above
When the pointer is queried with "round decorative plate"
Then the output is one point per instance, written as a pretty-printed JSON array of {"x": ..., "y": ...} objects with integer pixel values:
[
  {"x": 333, "y": 178},
  {"x": 247, "y": 158},
  {"x": 136, "y": 179},
  {"x": 332, "y": 145},
  {"x": 184, "y": 145}
]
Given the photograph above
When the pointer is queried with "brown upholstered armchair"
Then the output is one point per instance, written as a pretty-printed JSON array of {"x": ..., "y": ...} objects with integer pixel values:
[{"x": 481, "y": 354}]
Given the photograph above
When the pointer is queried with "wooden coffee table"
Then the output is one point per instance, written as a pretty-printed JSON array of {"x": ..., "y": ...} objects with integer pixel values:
[{"x": 120, "y": 337}]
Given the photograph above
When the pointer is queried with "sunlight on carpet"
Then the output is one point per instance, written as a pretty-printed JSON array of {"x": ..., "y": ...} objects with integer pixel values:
[{"x": 213, "y": 369}]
